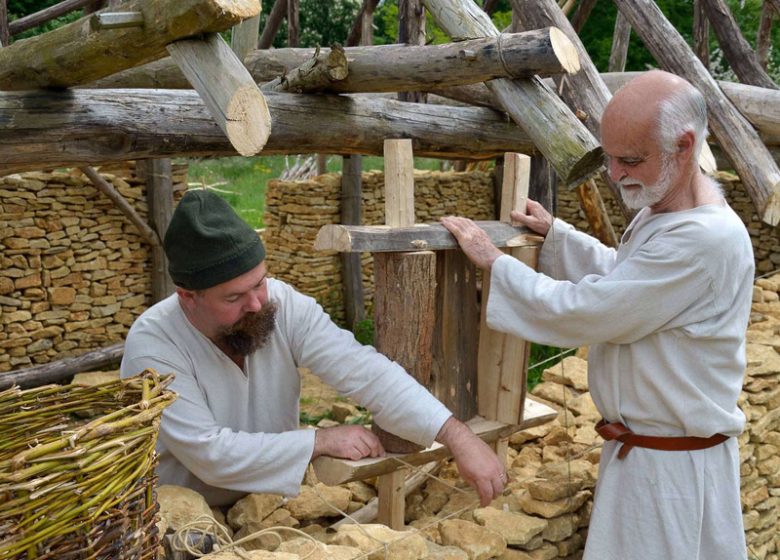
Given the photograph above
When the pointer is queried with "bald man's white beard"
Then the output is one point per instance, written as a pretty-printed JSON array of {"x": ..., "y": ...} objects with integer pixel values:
[{"x": 648, "y": 195}]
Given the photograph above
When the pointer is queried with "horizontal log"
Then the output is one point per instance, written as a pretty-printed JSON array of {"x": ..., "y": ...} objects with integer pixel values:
[
  {"x": 78, "y": 53},
  {"x": 543, "y": 52},
  {"x": 332, "y": 471},
  {"x": 62, "y": 370},
  {"x": 43, "y": 129},
  {"x": 422, "y": 237}
]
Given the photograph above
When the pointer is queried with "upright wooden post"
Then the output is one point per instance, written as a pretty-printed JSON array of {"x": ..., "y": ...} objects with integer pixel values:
[
  {"x": 293, "y": 22},
  {"x": 502, "y": 358},
  {"x": 701, "y": 33},
  {"x": 159, "y": 197},
  {"x": 243, "y": 39},
  {"x": 351, "y": 275},
  {"x": 272, "y": 24},
  {"x": 411, "y": 31},
  {"x": 764, "y": 35},
  {"x": 5, "y": 36},
  {"x": 620, "y": 39}
]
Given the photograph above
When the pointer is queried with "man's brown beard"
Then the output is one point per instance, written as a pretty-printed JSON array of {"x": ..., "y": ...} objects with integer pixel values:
[{"x": 251, "y": 332}]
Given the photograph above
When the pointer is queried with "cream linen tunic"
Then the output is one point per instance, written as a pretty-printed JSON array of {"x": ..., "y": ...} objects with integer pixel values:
[
  {"x": 229, "y": 434},
  {"x": 665, "y": 316}
]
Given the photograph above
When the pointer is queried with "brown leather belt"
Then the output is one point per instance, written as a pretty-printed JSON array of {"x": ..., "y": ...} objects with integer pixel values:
[{"x": 619, "y": 432}]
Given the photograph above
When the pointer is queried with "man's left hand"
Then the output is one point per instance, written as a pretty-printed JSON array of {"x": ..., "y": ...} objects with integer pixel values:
[{"x": 477, "y": 463}]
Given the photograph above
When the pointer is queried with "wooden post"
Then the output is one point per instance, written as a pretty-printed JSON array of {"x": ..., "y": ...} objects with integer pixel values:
[
  {"x": 543, "y": 186},
  {"x": 411, "y": 31},
  {"x": 5, "y": 36},
  {"x": 404, "y": 296},
  {"x": 243, "y": 39},
  {"x": 272, "y": 24},
  {"x": 293, "y": 22},
  {"x": 620, "y": 39},
  {"x": 581, "y": 14},
  {"x": 227, "y": 89},
  {"x": 558, "y": 134},
  {"x": 701, "y": 33},
  {"x": 764, "y": 36},
  {"x": 86, "y": 53},
  {"x": 752, "y": 161},
  {"x": 159, "y": 197},
  {"x": 351, "y": 275},
  {"x": 503, "y": 358},
  {"x": 736, "y": 49},
  {"x": 362, "y": 31},
  {"x": 392, "y": 499}
]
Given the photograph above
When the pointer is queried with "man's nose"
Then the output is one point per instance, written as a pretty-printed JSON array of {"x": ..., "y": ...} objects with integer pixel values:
[
  {"x": 616, "y": 171},
  {"x": 254, "y": 303}
]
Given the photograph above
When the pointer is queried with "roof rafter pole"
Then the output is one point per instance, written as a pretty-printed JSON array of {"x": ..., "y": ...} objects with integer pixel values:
[
  {"x": 293, "y": 22},
  {"x": 228, "y": 90},
  {"x": 754, "y": 164},
  {"x": 620, "y": 40},
  {"x": 272, "y": 24},
  {"x": 77, "y": 54},
  {"x": 764, "y": 35},
  {"x": 570, "y": 147},
  {"x": 581, "y": 14},
  {"x": 736, "y": 49},
  {"x": 33, "y": 20},
  {"x": 701, "y": 33},
  {"x": 84, "y": 127},
  {"x": 392, "y": 68},
  {"x": 5, "y": 35}
]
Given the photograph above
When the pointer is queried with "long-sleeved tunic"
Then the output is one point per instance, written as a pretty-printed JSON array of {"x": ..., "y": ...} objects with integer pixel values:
[
  {"x": 231, "y": 433},
  {"x": 665, "y": 317}
]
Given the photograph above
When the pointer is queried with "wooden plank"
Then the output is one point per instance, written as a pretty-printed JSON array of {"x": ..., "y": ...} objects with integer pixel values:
[
  {"x": 754, "y": 164},
  {"x": 570, "y": 147},
  {"x": 332, "y": 471},
  {"x": 421, "y": 237},
  {"x": 85, "y": 54},
  {"x": 120, "y": 125},
  {"x": 455, "y": 336},
  {"x": 243, "y": 39},
  {"x": 392, "y": 499},
  {"x": 228, "y": 90},
  {"x": 502, "y": 358}
]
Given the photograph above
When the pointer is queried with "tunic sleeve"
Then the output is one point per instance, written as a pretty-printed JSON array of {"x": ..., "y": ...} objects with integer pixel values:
[
  {"x": 568, "y": 254},
  {"x": 643, "y": 294},
  {"x": 396, "y": 400}
]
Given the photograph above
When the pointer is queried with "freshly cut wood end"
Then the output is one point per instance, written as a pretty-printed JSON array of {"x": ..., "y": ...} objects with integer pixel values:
[
  {"x": 565, "y": 50},
  {"x": 333, "y": 238},
  {"x": 248, "y": 120},
  {"x": 707, "y": 161},
  {"x": 772, "y": 208}
]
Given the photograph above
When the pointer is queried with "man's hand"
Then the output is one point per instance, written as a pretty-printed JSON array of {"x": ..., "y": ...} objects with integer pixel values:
[
  {"x": 477, "y": 463},
  {"x": 476, "y": 244},
  {"x": 536, "y": 218},
  {"x": 347, "y": 442}
]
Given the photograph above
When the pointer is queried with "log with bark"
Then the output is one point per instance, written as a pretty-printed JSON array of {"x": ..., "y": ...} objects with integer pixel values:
[
  {"x": 751, "y": 160},
  {"x": 62, "y": 370},
  {"x": 569, "y": 147},
  {"x": 543, "y": 52},
  {"x": 83, "y": 127},
  {"x": 78, "y": 53}
]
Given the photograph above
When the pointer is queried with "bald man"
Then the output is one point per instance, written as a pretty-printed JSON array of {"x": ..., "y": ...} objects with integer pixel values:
[{"x": 665, "y": 317}]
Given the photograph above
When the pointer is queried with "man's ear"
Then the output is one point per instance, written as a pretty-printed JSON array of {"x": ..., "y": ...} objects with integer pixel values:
[
  {"x": 685, "y": 144},
  {"x": 186, "y": 296}
]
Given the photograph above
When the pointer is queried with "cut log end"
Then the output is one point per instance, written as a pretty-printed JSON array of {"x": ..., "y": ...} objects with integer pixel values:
[
  {"x": 565, "y": 50},
  {"x": 586, "y": 168},
  {"x": 772, "y": 209},
  {"x": 248, "y": 121},
  {"x": 707, "y": 161},
  {"x": 333, "y": 238},
  {"x": 242, "y": 9}
]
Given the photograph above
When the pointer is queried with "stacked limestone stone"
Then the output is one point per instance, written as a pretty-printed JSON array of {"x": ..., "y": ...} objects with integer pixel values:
[
  {"x": 74, "y": 273},
  {"x": 295, "y": 211}
]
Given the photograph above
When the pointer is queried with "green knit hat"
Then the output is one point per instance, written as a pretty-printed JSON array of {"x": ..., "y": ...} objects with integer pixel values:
[{"x": 207, "y": 243}]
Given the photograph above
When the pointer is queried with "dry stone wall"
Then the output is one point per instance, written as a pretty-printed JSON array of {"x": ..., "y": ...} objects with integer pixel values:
[
  {"x": 296, "y": 210},
  {"x": 74, "y": 272}
]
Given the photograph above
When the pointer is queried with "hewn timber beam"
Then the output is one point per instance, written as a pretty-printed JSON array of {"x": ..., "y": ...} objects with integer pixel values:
[
  {"x": 759, "y": 173},
  {"x": 428, "y": 237},
  {"x": 570, "y": 148},
  {"x": 78, "y": 53},
  {"x": 229, "y": 92},
  {"x": 61, "y": 370},
  {"x": 391, "y": 68},
  {"x": 85, "y": 127}
]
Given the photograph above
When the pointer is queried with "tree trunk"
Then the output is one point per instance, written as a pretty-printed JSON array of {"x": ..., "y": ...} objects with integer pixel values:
[
  {"x": 736, "y": 49},
  {"x": 391, "y": 68},
  {"x": 86, "y": 127},
  {"x": 758, "y": 171},
  {"x": 78, "y": 54},
  {"x": 555, "y": 131},
  {"x": 62, "y": 370},
  {"x": 272, "y": 24}
]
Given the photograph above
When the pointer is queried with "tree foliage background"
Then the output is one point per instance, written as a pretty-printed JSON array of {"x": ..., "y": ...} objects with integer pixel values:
[{"x": 325, "y": 22}]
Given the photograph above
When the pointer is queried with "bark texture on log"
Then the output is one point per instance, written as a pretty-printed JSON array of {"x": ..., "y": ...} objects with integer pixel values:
[
  {"x": 78, "y": 54},
  {"x": 736, "y": 49},
  {"x": 569, "y": 147},
  {"x": 57, "y": 372},
  {"x": 754, "y": 164},
  {"x": 393, "y": 68},
  {"x": 317, "y": 74},
  {"x": 84, "y": 127}
]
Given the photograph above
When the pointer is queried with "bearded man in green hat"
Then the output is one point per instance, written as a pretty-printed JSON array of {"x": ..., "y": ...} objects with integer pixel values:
[{"x": 235, "y": 338}]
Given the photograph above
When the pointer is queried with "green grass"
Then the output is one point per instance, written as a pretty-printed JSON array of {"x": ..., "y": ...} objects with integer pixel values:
[{"x": 242, "y": 181}]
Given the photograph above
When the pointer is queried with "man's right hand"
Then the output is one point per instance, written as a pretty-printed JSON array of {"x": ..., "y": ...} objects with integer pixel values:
[
  {"x": 347, "y": 442},
  {"x": 536, "y": 218}
]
